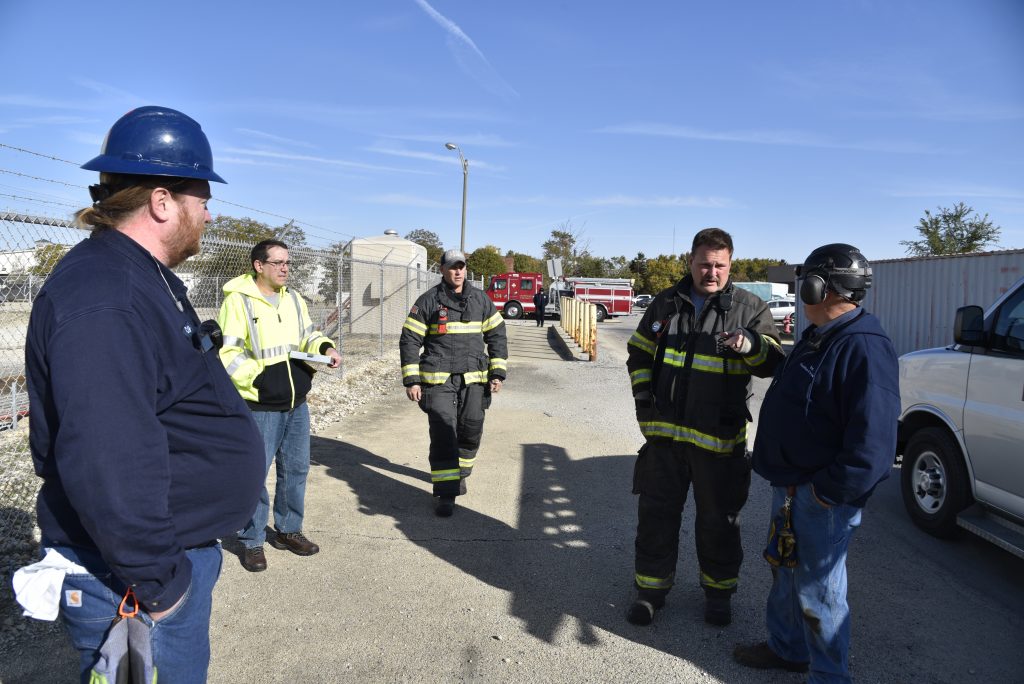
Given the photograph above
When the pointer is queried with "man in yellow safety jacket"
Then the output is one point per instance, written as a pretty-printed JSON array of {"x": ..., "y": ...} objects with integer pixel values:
[{"x": 264, "y": 323}]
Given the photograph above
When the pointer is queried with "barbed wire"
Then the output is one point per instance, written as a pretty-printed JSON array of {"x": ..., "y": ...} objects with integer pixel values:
[
  {"x": 285, "y": 218},
  {"x": 36, "y": 193},
  {"x": 330, "y": 234},
  {"x": 33, "y": 199},
  {"x": 39, "y": 154},
  {"x": 48, "y": 180}
]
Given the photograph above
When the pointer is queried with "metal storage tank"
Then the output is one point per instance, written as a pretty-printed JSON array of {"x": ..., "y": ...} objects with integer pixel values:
[
  {"x": 916, "y": 298},
  {"x": 387, "y": 274}
]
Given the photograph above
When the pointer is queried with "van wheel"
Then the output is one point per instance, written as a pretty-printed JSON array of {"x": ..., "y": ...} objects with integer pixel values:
[
  {"x": 513, "y": 310},
  {"x": 602, "y": 313},
  {"x": 934, "y": 482}
]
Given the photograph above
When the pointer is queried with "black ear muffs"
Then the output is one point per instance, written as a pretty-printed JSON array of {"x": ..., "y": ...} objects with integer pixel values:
[{"x": 813, "y": 287}]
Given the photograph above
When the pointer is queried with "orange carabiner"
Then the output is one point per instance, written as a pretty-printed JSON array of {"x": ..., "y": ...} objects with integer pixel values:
[{"x": 135, "y": 607}]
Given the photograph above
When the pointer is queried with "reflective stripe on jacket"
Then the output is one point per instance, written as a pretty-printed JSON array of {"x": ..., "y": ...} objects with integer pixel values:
[
  {"x": 699, "y": 390},
  {"x": 453, "y": 331},
  {"x": 258, "y": 339}
]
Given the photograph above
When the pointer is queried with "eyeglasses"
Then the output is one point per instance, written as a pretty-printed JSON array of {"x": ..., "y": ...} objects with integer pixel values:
[{"x": 278, "y": 264}]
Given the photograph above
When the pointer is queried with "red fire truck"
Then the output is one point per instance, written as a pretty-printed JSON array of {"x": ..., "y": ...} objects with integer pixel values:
[
  {"x": 613, "y": 296},
  {"x": 512, "y": 293}
]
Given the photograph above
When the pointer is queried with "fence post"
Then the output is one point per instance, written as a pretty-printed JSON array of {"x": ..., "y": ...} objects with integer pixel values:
[
  {"x": 381, "y": 304},
  {"x": 592, "y": 338},
  {"x": 338, "y": 307},
  {"x": 14, "y": 405}
]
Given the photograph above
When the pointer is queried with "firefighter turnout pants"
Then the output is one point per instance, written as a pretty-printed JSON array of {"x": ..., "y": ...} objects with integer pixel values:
[
  {"x": 663, "y": 474},
  {"x": 455, "y": 413}
]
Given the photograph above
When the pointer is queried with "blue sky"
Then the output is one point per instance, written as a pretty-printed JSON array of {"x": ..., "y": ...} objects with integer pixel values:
[{"x": 789, "y": 124}]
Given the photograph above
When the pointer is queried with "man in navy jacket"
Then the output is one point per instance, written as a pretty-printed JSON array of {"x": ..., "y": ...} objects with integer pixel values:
[
  {"x": 147, "y": 453},
  {"x": 826, "y": 437},
  {"x": 540, "y": 300}
]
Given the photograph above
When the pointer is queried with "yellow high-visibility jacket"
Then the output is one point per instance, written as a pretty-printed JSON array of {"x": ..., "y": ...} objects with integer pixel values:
[{"x": 258, "y": 339}]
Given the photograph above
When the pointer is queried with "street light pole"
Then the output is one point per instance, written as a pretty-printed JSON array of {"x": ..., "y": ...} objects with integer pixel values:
[{"x": 465, "y": 183}]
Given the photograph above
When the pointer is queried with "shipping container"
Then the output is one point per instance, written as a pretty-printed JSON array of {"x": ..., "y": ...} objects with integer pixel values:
[{"x": 916, "y": 298}]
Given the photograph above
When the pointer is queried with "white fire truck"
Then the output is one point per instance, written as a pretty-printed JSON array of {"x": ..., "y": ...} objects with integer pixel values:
[{"x": 512, "y": 294}]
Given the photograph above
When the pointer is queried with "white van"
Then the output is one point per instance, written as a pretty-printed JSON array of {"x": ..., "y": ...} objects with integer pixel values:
[{"x": 962, "y": 427}]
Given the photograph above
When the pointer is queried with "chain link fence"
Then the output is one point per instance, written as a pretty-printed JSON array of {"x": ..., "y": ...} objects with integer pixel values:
[{"x": 359, "y": 304}]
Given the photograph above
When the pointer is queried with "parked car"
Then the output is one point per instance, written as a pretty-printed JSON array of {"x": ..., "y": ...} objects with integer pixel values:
[
  {"x": 642, "y": 300},
  {"x": 781, "y": 308},
  {"x": 962, "y": 427}
]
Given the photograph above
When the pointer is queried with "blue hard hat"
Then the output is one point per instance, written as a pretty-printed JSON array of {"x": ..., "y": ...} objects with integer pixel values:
[{"x": 156, "y": 141}]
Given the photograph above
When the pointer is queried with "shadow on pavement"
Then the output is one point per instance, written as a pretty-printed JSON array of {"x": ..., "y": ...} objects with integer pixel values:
[
  {"x": 559, "y": 345},
  {"x": 568, "y": 559}
]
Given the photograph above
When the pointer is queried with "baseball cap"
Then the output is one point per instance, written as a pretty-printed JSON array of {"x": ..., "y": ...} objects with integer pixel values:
[{"x": 452, "y": 256}]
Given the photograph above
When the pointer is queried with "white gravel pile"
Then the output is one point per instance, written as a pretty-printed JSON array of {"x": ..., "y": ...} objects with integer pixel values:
[{"x": 337, "y": 394}]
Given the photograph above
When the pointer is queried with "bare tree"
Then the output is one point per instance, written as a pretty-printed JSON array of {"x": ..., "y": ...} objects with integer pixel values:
[{"x": 567, "y": 244}]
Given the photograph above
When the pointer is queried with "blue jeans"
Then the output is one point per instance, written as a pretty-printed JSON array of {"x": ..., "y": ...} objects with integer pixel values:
[
  {"x": 180, "y": 640},
  {"x": 808, "y": 617},
  {"x": 286, "y": 440}
]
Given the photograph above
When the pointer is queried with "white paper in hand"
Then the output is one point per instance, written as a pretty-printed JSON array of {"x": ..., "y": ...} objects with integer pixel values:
[{"x": 310, "y": 358}]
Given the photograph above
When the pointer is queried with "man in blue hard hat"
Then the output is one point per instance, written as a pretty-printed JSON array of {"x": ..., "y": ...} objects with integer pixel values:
[{"x": 147, "y": 453}]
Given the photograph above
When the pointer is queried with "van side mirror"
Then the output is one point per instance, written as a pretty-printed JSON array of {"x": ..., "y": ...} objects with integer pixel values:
[{"x": 969, "y": 326}]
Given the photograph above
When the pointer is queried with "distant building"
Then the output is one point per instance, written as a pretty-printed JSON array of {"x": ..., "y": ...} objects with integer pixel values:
[
  {"x": 17, "y": 283},
  {"x": 21, "y": 260}
]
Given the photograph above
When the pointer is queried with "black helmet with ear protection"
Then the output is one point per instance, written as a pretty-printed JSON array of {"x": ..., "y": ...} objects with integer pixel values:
[{"x": 837, "y": 267}]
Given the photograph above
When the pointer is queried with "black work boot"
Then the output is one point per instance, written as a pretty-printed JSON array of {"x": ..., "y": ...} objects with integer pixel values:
[
  {"x": 444, "y": 506},
  {"x": 760, "y": 656},
  {"x": 642, "y": 611},
  {"x": 717, "y": 608}
]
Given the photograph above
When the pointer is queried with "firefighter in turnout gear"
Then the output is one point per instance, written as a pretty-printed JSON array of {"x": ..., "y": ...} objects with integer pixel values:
[
  {"x": 690, "y": 362},
  {"x": 455, "y": 376}
]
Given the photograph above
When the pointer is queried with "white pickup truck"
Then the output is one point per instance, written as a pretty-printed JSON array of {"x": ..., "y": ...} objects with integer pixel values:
[{"x": 962, "y": 427}]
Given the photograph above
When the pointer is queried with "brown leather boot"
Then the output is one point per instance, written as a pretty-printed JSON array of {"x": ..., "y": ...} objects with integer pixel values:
[
  {"x": 295, "y": 542},
  {"x": 254, "y": 560}
]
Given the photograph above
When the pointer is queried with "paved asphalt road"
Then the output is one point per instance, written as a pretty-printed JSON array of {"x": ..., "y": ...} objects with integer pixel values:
[{"x": 529, "y": 581}]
